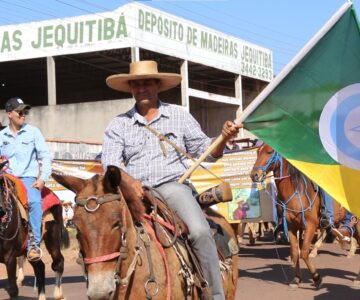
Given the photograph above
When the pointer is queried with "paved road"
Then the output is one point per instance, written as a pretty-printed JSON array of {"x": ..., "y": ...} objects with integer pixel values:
[{"x": 264, "y": 271}]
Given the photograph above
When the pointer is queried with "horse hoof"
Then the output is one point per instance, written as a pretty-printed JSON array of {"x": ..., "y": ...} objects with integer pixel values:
[
  {"x": 14, "y": 297},
  {"x": 12, "y": 294},
  {"x": 317, "y": 280},
  {"x": 294, "y": 284}
]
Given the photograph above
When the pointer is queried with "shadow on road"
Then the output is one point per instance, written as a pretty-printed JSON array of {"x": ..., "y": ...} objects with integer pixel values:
[
  {"x": 268, "y": 263},
  {"x": 336, "y": 291},
  {"x": 49, "y": 281},
  {"x": 278, "y": 251}
]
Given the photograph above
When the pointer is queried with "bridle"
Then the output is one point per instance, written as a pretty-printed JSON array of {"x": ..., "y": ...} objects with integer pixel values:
[
  {"x": 99, "y": 200},
  {"x": 142, "y": 236},
  {"x": 122, "y": 253},
  {"x": 273, "y": 160}
]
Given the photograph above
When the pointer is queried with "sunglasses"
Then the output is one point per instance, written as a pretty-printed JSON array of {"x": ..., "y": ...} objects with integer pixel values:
[{"x": 22, "y": 112}]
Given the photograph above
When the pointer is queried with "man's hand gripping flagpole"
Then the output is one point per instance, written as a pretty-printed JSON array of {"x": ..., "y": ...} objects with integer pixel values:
[{"x": 220, "y": 139}]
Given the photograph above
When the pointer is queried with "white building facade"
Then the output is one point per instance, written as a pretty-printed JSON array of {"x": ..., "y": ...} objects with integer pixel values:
[{"x": 59, "y": 67}]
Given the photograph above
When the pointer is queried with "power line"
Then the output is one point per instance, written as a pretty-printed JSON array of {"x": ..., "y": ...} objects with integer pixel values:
[
  {"x": 28, "y": 8},
  {"x": 227, "y": 24},
  {"x": 171, "y": 50},
  {"x": 279, "y": 49}
]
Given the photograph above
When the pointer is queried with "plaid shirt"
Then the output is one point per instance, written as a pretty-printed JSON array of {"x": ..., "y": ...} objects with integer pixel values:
[{"x": 129, "y": 145}]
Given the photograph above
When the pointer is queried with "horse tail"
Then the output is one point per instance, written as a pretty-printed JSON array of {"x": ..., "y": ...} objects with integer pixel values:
[
  {"x": 61, "y": 231},
  {"x": 65, "y": 239}
]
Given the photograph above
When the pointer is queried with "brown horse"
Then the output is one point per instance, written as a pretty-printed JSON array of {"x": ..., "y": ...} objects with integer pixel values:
[
  {"x": 300, "y": 202},
  {"x": 13, "y": 240},
  {"x": 122, "y": 256}
]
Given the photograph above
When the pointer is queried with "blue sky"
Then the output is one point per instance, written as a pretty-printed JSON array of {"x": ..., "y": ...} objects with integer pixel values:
[{"x": 284, "y": 26}]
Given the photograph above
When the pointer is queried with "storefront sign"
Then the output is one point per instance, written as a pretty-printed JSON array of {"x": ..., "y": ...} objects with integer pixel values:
[{"x": 136, "y": 25}]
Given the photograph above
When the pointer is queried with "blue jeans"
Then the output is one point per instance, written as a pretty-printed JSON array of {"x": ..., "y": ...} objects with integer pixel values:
[
  {"x": 35, "y": 209},
  {"x": 329, "y": 207},
  {"x": 346, "y": 223},
  {"x": 180, "y": 199}
]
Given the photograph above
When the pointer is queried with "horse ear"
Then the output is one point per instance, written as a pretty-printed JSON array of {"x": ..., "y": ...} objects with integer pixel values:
[
  {"x": 112, "y": 179},
  {"x": 70, "y": 182}
]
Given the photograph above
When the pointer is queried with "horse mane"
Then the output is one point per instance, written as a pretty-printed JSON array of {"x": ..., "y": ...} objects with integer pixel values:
[
  {"x": 296, "y": 177},
  {"x": 136, "y": 206},
  {"x": 137, "y": 209}
]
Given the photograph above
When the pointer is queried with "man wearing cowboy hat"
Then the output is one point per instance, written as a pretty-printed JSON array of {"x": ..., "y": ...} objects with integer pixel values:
[
  {"x": 149, "y": 162},
  {"x": 24, "y": 146}
]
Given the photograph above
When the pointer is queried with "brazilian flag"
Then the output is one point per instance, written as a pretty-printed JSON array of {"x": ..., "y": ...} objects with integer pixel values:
[{"x": 310, "y": 112}]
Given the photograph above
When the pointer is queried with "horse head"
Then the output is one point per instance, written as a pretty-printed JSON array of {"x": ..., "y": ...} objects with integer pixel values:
[
  {"x": 103, "y": 222},
  {"x": 267, "y": 160}
]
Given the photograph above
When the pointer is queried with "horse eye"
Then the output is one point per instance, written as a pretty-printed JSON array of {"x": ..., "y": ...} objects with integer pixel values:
[{"x": 117, "y": 224}]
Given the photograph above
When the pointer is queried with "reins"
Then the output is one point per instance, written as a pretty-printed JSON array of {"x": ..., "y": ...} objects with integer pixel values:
[
  {"x": 8, "y": 199},
  {"x": 169, "y": 222},
  {"x": 122, "y": 254},
  {"x": 276, "y": 158}
]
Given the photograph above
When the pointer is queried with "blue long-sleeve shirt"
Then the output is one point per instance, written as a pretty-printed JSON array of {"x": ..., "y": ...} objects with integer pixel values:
[{"x": 24, "y": 151}]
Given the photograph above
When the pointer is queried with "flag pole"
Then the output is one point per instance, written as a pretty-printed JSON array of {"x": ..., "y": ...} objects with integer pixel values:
[{"x": 274, "y": 83}]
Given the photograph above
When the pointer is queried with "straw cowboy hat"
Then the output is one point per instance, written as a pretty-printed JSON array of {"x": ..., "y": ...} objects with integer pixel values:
[{"x": 146, "y": 69}]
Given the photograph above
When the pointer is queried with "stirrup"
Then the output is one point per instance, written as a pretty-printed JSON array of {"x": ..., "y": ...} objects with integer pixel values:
[
  {"x": 325, "y": 223},
  {"x": 37, "y": 255}
]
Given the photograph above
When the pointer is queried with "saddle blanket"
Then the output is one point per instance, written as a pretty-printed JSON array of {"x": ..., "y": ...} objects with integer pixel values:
[{"x": 49, "y": 198}]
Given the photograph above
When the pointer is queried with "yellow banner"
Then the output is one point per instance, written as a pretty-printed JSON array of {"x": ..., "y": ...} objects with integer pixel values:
[
  {"x": 81, "y": 169},
  {"x": 235, "y": 169}
]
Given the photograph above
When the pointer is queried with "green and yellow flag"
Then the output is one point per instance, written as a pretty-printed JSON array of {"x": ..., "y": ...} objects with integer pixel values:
[{"x": 310, "y": 113}]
